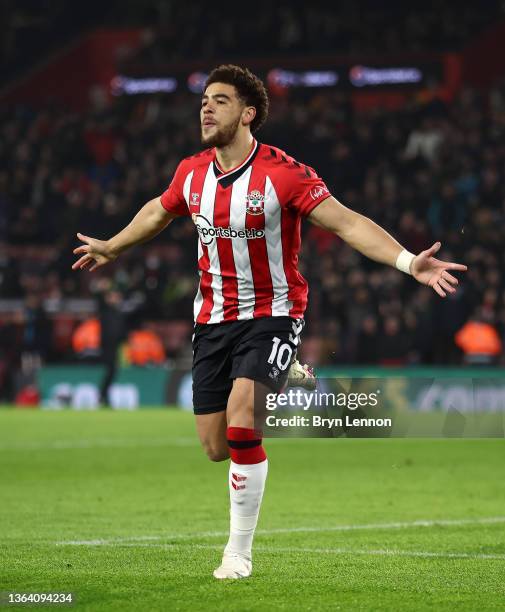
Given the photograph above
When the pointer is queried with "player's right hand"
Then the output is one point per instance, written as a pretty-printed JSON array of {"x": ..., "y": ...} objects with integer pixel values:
[{"x": 95, "y": 253}]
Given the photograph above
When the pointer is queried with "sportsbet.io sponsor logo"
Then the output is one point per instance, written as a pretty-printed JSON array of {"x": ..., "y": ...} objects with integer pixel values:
[{"x": 208, "y": 232}]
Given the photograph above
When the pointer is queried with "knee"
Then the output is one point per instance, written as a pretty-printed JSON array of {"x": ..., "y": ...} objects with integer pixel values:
[{"x": 216, "y": 453}]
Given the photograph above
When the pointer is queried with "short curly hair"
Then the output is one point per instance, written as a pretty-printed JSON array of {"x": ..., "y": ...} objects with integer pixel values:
[{"x": 250, "y": 89}]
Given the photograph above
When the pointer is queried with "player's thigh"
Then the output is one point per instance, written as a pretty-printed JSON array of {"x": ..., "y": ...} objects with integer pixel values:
[
  {"x": 211, "y": 430},
  {"x": 246, "y": 404}
]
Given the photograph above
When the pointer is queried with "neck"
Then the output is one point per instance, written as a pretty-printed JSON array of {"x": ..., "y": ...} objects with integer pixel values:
[{"x": 233, "y": 155}]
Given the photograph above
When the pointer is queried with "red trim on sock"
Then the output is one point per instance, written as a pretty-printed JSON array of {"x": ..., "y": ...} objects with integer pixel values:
[{"x": 245, "y": 456}]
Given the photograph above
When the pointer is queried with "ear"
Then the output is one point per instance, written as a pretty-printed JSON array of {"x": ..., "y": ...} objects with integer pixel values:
[{"x": 248, "y": 115}]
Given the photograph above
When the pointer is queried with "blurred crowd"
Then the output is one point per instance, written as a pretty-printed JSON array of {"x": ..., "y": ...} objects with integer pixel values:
[
  {"x": 176, "y": 31},
  {"x": 432, "y": 171},
  {"x": 297, "y": 27}
]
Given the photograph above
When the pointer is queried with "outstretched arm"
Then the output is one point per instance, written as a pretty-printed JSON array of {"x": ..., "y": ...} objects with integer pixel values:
[
  {"x": 368, "y": 238},
  {"x": 146, "y": 224}
]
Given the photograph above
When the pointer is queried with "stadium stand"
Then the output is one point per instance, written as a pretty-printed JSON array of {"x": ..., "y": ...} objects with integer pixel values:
[{"x": 430, "y": 170}]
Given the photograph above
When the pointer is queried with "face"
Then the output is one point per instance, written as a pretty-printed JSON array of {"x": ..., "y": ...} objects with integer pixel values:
[{"x": 221, "y": 114}]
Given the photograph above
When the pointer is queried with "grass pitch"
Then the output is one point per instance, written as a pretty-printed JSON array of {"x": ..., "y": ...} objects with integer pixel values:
[{"x": 125, "y": 511}]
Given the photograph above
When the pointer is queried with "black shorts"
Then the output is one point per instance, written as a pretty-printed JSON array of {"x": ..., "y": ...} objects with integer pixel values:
[{"x": 259, "y": 349}]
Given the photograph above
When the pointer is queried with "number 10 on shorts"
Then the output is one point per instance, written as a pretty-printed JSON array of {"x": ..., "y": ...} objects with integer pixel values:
[{"x": 280, "y": 354}]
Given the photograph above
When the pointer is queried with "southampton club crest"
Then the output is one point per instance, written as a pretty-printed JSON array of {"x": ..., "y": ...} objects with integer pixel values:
[{"x": 255, "y": 203}]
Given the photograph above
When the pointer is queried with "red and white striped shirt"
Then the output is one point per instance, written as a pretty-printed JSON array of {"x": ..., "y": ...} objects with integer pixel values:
[{"x": 248, "y": 220}]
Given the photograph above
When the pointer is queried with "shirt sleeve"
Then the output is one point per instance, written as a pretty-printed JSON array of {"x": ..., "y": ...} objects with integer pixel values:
[
  {"x": 172, "y": 199},
  {"x": 305, "y": 191}
]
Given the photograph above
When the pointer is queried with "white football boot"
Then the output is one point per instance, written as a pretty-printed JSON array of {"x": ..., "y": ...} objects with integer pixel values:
[
  {"x": 233, "y": 566},
  {"x": 301, "y": 376}
]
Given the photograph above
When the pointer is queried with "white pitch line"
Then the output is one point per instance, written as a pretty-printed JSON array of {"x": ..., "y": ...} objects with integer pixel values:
[
  {"x": 215, "y": 534},
  {"x": 337, "y": 551},
  {"x": 387, "y": 552},
  {"x": 112, "y": 443},
  {"x": 99, "y": 443}
]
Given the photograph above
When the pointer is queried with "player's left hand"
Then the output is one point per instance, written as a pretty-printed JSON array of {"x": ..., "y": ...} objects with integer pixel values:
[{"x": 434, "y": 272}]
